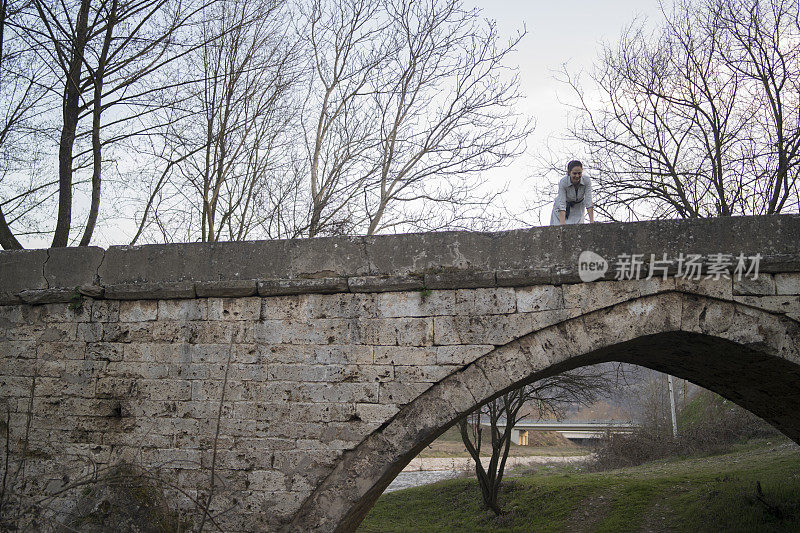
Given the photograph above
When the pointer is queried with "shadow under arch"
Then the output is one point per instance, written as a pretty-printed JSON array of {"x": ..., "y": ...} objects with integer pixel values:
[{"x": 744, "y": 353}]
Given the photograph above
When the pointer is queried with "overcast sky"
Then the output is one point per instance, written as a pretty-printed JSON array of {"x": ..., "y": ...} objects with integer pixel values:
[{"x": 558, "y": 32}]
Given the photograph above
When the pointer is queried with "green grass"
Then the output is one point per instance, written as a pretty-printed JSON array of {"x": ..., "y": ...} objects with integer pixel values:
[
  {"x": 712, "y": 493},
  {"x": 694, "y": 412}
]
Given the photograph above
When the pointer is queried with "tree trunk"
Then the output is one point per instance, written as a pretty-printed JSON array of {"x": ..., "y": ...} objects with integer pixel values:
[
  {"x": 7, "y": 239},
  {"x": 70, "y": 116},
  {"x": 96, "y": 112}
]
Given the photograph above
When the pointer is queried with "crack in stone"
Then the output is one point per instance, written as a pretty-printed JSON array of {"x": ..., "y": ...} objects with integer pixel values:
[
  {"x": 44, "y": 266},
  {"x": 97, "y": 271},
  {"x": 370, "y": 269}
]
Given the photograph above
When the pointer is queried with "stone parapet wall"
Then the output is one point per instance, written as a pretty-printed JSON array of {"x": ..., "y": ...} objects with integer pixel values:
[{"x": 446, "y": 260}]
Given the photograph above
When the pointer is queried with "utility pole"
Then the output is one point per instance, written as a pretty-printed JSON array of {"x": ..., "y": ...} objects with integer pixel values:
[{"x": 672, "y": 406}]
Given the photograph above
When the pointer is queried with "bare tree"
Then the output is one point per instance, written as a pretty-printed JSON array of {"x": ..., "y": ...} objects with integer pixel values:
[
  {"x": 446, "y": 111},
  {"x": 101, "y": 55},
  {"x": 544, "y": 398},
  {"x": 758, "y": 39},
  {"x": 686, "y": 121},
  {"x": 411, "y": 101},
  {"x": 21, "y": 99},
  {"x": 220, "y": 169},
  {"x": 318, "y": 117},
  {"x": 347, "y": 42}
]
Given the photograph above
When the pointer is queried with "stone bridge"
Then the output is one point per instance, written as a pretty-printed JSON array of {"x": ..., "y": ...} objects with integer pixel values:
[{"x": 288, "y": 382}]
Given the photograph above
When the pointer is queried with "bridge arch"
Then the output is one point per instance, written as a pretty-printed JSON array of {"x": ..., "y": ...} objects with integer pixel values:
[{"x": 747, "y": 354}]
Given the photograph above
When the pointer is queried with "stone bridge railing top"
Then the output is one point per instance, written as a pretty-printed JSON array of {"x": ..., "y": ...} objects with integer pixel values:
[{"x": 542, "y": 255}]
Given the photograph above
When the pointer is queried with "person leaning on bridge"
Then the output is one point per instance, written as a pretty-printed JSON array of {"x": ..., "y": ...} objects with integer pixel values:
[{"x": 574, "y": 197}]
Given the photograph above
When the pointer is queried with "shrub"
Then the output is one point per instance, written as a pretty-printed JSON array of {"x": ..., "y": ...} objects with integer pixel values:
[{"x": 708, "y": 424}]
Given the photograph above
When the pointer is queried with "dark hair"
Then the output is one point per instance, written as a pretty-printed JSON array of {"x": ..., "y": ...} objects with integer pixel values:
[{"x": 572, "y": 164}]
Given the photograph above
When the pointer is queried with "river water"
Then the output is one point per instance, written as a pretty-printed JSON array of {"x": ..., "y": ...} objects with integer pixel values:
[
  {"x": 405, "y": 480},
  {"x": 422, "y": 471}
]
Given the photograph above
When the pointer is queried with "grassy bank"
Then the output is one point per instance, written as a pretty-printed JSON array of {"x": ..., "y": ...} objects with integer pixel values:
[{"x": 714, "y": 493}]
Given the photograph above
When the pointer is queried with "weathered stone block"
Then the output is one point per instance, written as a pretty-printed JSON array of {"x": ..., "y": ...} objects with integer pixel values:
[
  {"x": 706, "y": 316},
  {"x": 322, "y": 331},
  {"x": 234, "y": 309},
  {"x": 92, "y": 291},
  {"x": 78, "y": 386},
  {"x": 238, "y": 332},
  {"x": 421, "y": 374},
  {"x": 376, "y": 412},
  {"x": 778, "y": 304},
  {"x": 58, "y": 312},
  {"x": 269, "y": 331},
  {"x": 105, "y": 311},
  {"x": 655, "y": 285},
  {"x": 766, "y": 333},
  {"x": 83, "y": 370},
  {"x": 18, "y": 349},
  {"x": 271, "y": 480},
  {"x": 461, "y": 355},
  {"x": 182, "y": 309},
  {"x": 105, "y": 350},
  {"x": 788, "y": 283},
  {"x": 343, "y": 305},
  {"x": 545, "y": 347},
  {"x": 764, "y": 285},
  {"x": 21, "y": 270},
  {"x": 138, "y": 310},
  {"x": 523, "y": 277},
  {"x": 16, "y": 386},
  {"x": 235, "y": 288},
  {"x": 70, "y": 267},
  {"x": 336, "y": 393},
  {"x": 540, "y": 298},
  {"x": 360, "y": 373},
  {"x": 494, "y": 329},
  {"x": 515, "y": 364},
  {"x": 385, "y": 283},
  {"x": 89, "y": 332},
  {"x": 12, "y": 315},
  {"x": 721, "y": 288},
  {"x": 206, "y": 410},
  {"x": 43, "y": 296},
  {"x": 495, "y": 374},
  {"x": 60, "y": 351},
  {"x": 494, "y": 301},
  {"x": 294, "y": 307},
  {"x": 415, "y": 304},
  {"x": 426, "y": 418},
  {"x": 23, "y": 367},
  {"x": 458, "y": 383},
  {"x": 460, "y": 279},
  {"x": 395, "y": 331},
  {"x": 138, "y": 370},
  {"x": 278, "y": 287},
  {"x": 337, "y": 354},
  {"x": 296, "y": 372},
  {"x": 399, "y": 394},
  {"x": 216, "y": 390},
  {"x": 591, "y": 296},
  {"x": 405, "y": 355},
  {"x": 150, "y": 290},
  {"x": 44, "y": 332}
]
